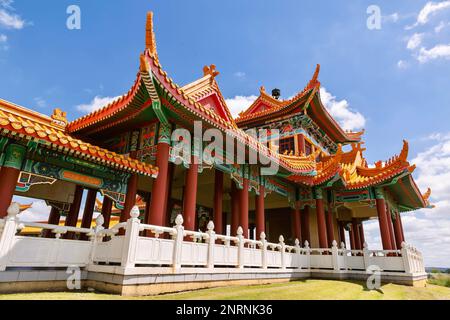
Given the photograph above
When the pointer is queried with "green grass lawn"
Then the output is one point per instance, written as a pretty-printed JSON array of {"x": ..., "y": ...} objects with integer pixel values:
[{"x": 298, "y": 290}]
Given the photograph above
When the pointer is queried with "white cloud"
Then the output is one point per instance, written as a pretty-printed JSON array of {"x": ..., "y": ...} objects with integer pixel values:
[
  {"x": 341, "y": 111},
  {"x": 3, "y": 42},
  {"x": 431, "y": 8},
  {"x": 441, "y": 26},
  {"x": 415, "y": 41},
  {"x": 38, "y": 212},
  {"x": 438, "y": 51},
  {"x": 97, "y": 103},
  {"x": 240, "y": 74},
  {"x": 41, "y": 103},
  {"x": 10, "y": 20},
  {"x": 402, "y": 64},
  {"x": 239, "y": 104},
  {"x": 395, "y": 17}
]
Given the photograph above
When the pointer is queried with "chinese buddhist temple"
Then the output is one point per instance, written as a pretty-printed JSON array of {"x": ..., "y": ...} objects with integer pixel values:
[{"x": 122, "y": 155}]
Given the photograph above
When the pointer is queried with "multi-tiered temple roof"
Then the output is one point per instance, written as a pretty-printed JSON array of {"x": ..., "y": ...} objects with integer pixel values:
[{"x": 202, "y": 100}]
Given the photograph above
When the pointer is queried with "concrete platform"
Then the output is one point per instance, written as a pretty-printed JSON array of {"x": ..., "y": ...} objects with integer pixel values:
[{"x": 153, "y": 281}]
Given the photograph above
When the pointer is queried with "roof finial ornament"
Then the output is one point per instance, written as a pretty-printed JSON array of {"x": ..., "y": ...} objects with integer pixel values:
[
  {"x": 405, "y": 150},
  {"x": 211, "y": 70},
  {"x": 314, "y": 81},
  {"x": 150, "y": 40},
  {"x": 59, "y": 118},
  {"x": 427, "y": 194}
]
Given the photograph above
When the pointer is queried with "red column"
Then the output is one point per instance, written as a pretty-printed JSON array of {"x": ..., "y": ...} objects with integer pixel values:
[
  {"x": 342, "y": 232},
  {"x": 190, "y": 195},
  {"x": 321, "y": 226},
  {"x": 301, "y": 143},
  {"x": 106, "y": 211},
  {"x": 159, "y": 190},
  {"x": 9, "y": 174},
  {"x": 391, "y": 228},
  {"x": 88, "y": 211},
  {"x": 8, "y": 178},
  {"x": 384, "y": 226},
  {"x": 297, "y": 223},
  {"x": 361, "y": 233},
  {"x": 306, "y": 235},
  {"x": 260, "y": 213},
  {"x": 398, "y": 232},
  {"x": 130, "y": 198},
  {"x": 356, "y": 234},
  {"x": 401, "y": 226},
  {"x": 218, "y": 202},
  {"x": 243, "y": 208},
  {"x": 72, "y": 216},
  {"x": 53, "y": 219},
  {"x": 352, "y": 238},
  {"x": 234, "y": 208},
  {"x": 168, "y": 198},
  {"x": 330, "y": 226}
]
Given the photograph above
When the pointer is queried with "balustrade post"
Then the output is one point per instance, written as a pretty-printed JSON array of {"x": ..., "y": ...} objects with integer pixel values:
[
  {"x": 131, "y": 238},
  {"x": 241, "y": 238},
  {"x": 335, "y": 255},
  {"x": 263, "y": 249},
  {"x": 178, "y": 242},
  {"x": 282, "y": 252},
  {"x": 211, "y": 244},
  {"x": 298, "y": 251},
  {"x": 366, "y": 256},
  {"x": 8, "y": 230},
  {"x": 344, "y": 255},
  {"x": 406, "y": 257},
  {"x": 308, "y": 255},
  {"x": 98, "y": 236}
]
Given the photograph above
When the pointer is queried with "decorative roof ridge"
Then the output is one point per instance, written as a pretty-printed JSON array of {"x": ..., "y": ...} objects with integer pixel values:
[
  {"x": 118, "y": 103},
  {"x": 204, "y": 86},
  {"x": 312, "y": 84},
  {"x": 21, "y": 111},
  {"x": 398, "y": 161},
  {"x": 54, "y": 136}
]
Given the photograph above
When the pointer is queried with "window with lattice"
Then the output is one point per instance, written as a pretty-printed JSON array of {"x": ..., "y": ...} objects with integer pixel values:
[{"x": 287, "y": 144}]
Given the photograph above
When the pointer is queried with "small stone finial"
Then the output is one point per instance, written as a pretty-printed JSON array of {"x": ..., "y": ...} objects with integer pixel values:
[
  {"x": 135, "y": 213},
  {"x": 240, "y": 231},
  {"x": 281, "y": 239},
  {"x": 306, "y": 244},
  {"x": 365, "y": 245},
  {"x": 342, "y": 245},
  {"x": 263, "y": 236},
  {"x": 13, "y": 210},
  {"x": 404, "y": 245},
  {"x": 179, "y": 220},
  {"x": 210, "y": 225},
  {"x": 334, "y": 244},
  {"x": 297, "y": 242},
  {"x": 99, "y": 221}
]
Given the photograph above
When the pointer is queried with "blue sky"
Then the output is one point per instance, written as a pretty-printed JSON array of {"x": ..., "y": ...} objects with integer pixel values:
[{"x": 393, "y": 81}]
